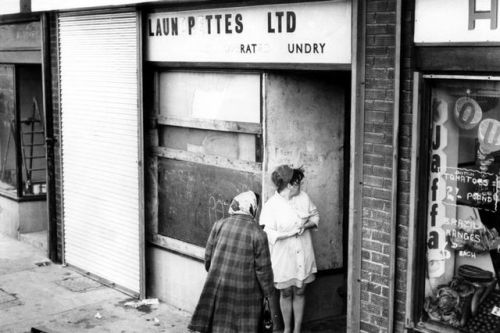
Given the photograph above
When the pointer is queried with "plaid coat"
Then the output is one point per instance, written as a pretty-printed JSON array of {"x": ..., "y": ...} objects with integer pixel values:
[{"x": 239, "y": 276}]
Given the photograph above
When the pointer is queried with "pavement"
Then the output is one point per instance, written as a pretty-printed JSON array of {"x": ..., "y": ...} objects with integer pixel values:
[{"x": 36, "y": 293}]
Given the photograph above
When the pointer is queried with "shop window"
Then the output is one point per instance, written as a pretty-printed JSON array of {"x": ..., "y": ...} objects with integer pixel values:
[
  {"x": 209, "y": 148},
  {"x": 461, "y": 290},
  {"x": 8, "y": 142},
  {"x": 22, "y": 138}
]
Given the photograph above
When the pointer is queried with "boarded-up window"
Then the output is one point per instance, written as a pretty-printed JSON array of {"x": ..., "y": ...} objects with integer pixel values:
[{"x": 209, "y": 148}]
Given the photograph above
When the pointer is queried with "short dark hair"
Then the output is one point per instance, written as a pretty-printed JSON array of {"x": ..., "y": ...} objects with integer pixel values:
[
  {"x": 298, "y": 175},
  {"x": 281, "y": 184}
]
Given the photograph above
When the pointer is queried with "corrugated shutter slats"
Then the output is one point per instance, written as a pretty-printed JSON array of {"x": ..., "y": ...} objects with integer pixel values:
[{"x": 99, "y": 120}]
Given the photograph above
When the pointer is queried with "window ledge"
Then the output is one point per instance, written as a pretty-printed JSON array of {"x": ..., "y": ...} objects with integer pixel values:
[
  {"x": 177, "y": 246},
  {"x": 434, "y": 327},
  {"x": 14, "y": 197}
]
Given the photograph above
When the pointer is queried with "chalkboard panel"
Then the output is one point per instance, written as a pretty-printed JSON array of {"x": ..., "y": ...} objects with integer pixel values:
[{"x": 193, "y": 196}]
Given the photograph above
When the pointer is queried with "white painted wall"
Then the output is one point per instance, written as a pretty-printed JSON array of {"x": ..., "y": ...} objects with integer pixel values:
[
  {"x": 22, "y": 217},
  {"x": 9, "y": 217},
  {"x": 33, "y": 216},
  {"x": 174, "y": 279}
]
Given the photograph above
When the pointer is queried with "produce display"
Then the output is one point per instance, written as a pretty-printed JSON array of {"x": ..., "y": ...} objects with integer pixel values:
[
  {"x": 462, "y": 302},
  {"x": 487, "y": 319}
]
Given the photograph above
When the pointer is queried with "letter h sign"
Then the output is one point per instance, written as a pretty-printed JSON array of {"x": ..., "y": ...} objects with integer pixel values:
[{"x": 474, "y": 15}]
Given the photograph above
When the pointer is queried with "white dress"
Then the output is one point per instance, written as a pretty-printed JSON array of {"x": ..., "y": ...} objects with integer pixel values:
[{"x": 292, "y": 258}]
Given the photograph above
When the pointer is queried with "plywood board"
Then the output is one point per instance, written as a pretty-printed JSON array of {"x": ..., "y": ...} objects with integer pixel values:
[
  {"x": 305, "y": 127},
  {"x": 193, "y": 196}
]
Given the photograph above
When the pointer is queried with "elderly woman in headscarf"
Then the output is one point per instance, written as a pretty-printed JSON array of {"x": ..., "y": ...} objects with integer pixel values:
[{"x": 239, "y": 270}]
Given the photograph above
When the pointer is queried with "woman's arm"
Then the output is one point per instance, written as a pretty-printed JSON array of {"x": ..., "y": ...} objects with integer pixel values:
[
  {"x": 285, "y": 235},
  {"x": 268, "y": 220},
  {"x": 308, "y": 225},
  {"x": 313, "y": 220},
  {"x": 274, "y": 235}
]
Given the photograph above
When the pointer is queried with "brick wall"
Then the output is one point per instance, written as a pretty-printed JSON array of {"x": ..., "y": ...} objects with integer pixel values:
[
  {"x": 379, "y": 102},
  {"x": 57, "y": 129},
  {"x": 405, "y": 125},
  {"x": 377, "y": 164}
]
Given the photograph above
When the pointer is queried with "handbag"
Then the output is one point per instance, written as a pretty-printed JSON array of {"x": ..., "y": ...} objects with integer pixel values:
[{"x": 267, "y": 318}]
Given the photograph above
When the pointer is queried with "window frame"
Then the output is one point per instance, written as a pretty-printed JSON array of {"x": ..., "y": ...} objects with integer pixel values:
[
  {"x": 422, "y": 128},
  {"x": 155, "y": 120},
  {"x": 19, "y": 195}
]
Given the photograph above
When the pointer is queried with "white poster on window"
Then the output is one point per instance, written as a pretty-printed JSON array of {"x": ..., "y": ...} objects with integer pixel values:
[
  {"x": 456, "y": 21},
  {"x": 313, "y": 32}
]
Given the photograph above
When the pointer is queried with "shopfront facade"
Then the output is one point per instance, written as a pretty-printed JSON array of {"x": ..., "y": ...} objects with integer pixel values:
[
  {"x": 231, "y": 92},
  {"x": 219, "y": 115},
  {"x": 455, "y": 99},
  {"x": 165, "y": 110},
  {"x": 23, "y": 161}
]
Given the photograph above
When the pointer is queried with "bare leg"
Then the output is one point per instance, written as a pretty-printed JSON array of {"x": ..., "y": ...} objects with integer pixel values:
[
  {"x": 298, "y": 308},
  {"x": 286, "y": 309},
  {"x": 298, "y": 312}
]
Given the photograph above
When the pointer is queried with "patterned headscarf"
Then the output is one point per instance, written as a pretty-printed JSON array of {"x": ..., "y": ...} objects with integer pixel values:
[{"x": 244, "y": 203}]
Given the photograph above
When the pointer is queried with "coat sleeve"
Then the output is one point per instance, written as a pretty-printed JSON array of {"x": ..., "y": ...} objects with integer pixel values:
[
  {"x": 210, "y": 244},
  {"x": 263, "y": 268}
]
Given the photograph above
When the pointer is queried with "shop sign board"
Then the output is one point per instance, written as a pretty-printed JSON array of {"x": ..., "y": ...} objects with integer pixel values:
[
  {"x": 456, "y": 21},
  {"x": 20, "y": 36},
  {"x": 313, "y": 32}
]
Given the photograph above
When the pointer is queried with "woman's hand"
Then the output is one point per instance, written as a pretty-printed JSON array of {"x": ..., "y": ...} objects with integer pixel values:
[
  {"x": 293, "y": 232},
  {"x": 307, "y": 225},
  {"x": 301, "y": 230},
  {"x": 288, "y": 234}
]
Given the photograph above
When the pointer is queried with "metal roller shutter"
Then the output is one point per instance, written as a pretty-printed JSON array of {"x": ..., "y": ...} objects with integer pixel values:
[{"x": 100, "y": 144}]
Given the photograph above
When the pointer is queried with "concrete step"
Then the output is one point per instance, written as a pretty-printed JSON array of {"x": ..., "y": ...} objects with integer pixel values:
[{"x": 35, "y": 239}]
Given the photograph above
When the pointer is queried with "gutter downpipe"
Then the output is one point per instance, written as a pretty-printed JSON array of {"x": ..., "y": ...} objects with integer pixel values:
[
  {"x": 395, "y": 169},
  {"x": 358, "y": 39},
  {"x": 49, "y": 140}
]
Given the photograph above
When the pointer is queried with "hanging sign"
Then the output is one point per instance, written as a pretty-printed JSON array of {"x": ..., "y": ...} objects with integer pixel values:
[
  {"x": 456, "y": 21},
  {"x": 313, "y": 32}
]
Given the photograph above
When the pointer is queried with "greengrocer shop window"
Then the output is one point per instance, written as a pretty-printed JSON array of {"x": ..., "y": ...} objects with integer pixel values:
[
  {"x": 22, "y": 132},
  {"x": 462, "y": 224}
]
